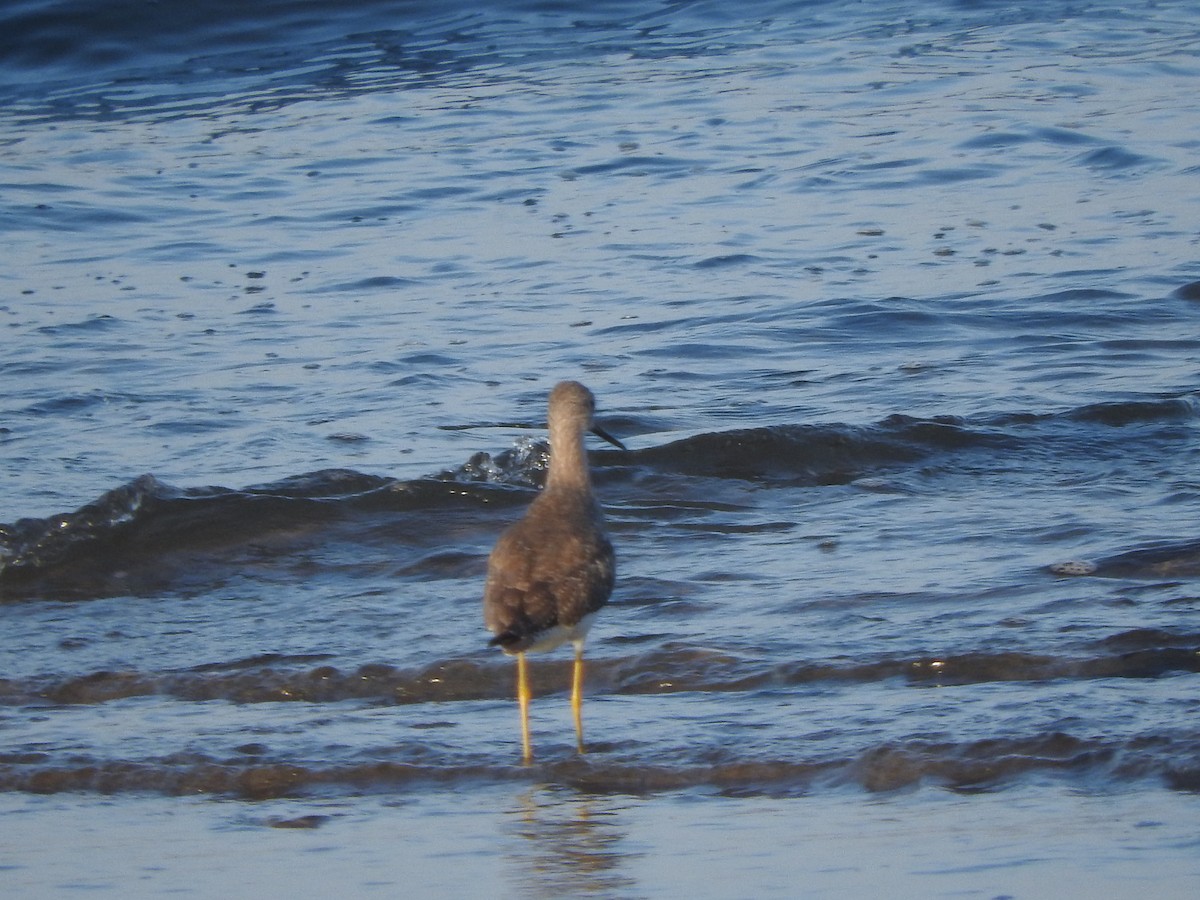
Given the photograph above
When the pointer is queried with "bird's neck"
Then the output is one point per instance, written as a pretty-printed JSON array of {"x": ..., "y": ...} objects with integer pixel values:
[{"x": 568, "y": 462}]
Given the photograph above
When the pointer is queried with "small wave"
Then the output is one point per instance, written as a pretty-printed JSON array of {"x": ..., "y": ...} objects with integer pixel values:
[
  {"x": 115, "y": 32},
  {"x": 197, "y": 774},
  {"x": 1064, "y": 137},
  {"x": 136, "y": 538},
  {"x": 1139, "y": 655},
  {"x": 1168, "y": 560},
  {"x": 1115, "y": 160},
  {"x": 271, "y": 678},
  {"x": 372, "y": 283},
  {"x": 523, "y": 465},
  {"x": 994, "y": 140},
  {"x": 143, "y": 536},
  {"x": 727, "y": 261},
  {"x": 638, "y": 166},
  {"x": 100, "y": 323},
  {"x": 1189, "y": 291},
  {"x": 1130, "y": 412},
  {"x": 252, "y": 773},
  {"x": 819, "y": 454},
  {"x": 263, "y": 767}
]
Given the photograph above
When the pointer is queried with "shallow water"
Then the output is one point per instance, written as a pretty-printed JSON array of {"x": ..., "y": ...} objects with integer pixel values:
[
  {"x": 896, "y": 308},
  {"x": 547, "y": 842}
]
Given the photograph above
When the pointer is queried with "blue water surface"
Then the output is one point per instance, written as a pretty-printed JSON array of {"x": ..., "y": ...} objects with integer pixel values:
[{"x": 895, "y": 305}]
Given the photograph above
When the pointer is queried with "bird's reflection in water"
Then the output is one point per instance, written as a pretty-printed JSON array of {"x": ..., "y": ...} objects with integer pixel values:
[{"x": 570, "y": 845}]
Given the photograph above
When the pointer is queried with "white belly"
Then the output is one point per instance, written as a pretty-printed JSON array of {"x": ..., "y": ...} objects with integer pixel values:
[{"x": 561, "y": 634}]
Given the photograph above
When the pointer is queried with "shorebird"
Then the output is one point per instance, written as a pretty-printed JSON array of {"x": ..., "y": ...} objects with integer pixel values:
[{"x": 551, "y": 571}]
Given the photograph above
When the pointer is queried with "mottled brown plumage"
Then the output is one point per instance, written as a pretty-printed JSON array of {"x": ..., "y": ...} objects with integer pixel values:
[{"x": 553, "y": 570}]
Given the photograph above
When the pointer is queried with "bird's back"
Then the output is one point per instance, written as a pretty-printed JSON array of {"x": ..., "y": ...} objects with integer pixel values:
[{"x": 549, "y": 572}]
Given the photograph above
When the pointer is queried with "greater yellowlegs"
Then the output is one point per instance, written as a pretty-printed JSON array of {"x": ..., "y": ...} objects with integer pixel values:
[{"x": 551, "y": 572}]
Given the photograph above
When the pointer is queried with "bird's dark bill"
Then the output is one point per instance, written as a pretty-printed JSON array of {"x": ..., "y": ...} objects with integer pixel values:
[{"x": 601, "y": 433}]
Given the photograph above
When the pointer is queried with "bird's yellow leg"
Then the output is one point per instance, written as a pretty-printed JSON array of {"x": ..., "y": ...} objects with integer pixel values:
[
  {"x": 523, "y": 701},
  {"x": 577, "y": 695}
]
